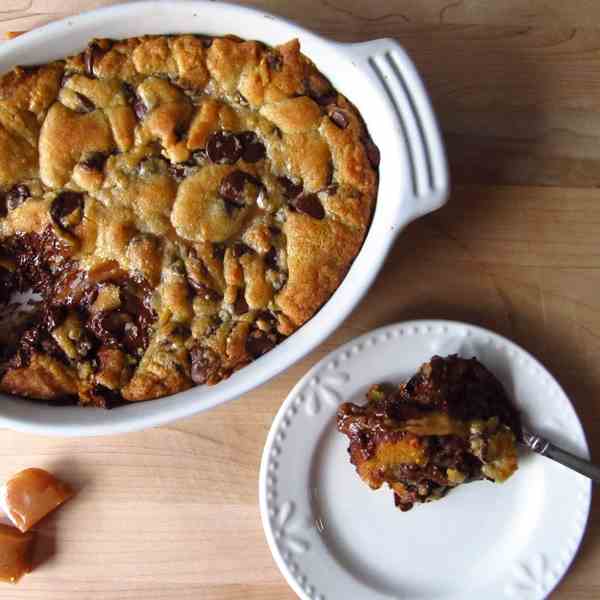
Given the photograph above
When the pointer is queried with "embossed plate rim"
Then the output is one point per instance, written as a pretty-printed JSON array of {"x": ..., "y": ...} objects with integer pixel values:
[{"x": 293, "y": 531}]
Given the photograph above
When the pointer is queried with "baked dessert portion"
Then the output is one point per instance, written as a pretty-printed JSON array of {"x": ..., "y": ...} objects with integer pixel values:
[
  {"x": 180, "y": 204},
  {"x": 452, "y": 423}
]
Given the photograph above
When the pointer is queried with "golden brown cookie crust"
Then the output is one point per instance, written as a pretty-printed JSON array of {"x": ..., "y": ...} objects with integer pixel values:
[{"x": 182, "y": 203}]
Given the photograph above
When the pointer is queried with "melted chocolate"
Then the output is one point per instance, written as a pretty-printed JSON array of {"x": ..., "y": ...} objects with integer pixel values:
[{"x": 44, "y": 266}]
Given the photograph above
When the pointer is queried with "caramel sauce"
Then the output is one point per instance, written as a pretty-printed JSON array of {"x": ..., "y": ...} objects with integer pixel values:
[
  {"x": 436, "y": 423},
  {"x": 387, "y": 455}
]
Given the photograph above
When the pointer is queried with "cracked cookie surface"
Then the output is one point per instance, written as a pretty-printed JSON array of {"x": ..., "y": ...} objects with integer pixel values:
[{"x": 180, "y": 204}]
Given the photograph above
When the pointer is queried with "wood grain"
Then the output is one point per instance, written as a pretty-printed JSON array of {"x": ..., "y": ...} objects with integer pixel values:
[{"x": 172, "y": 513}]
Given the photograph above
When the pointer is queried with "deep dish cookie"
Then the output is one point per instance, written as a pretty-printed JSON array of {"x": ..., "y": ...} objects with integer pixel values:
[{"x": 181, "y": 204}]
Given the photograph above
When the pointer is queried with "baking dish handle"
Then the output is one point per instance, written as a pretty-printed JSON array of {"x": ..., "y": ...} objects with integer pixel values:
[{"x": 389, "y": 68}]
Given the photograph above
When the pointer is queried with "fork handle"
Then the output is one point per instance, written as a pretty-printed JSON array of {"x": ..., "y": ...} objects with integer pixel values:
[
  {"x": 567, "y": 459},
  {"x": 542, "y": 446}
]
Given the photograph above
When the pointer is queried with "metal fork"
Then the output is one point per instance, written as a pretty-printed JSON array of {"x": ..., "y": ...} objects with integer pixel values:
[{"x": 545, "y": 448}]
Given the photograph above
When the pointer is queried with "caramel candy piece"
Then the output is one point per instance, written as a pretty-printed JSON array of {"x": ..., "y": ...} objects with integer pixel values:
[
  {"x": 16, "y": 550},
  {"x": 11, "y": 35},
  {"x": 31, "y": 494}
]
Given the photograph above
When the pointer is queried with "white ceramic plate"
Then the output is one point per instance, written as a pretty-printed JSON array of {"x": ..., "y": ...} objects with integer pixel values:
[{"x": 335, "y": 539}]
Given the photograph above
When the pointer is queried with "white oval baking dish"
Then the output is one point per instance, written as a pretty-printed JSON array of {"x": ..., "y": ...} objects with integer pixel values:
[{"x": 378, "y": 77}]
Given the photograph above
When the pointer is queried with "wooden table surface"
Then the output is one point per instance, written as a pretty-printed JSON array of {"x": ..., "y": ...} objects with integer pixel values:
[{"x": 172, "y": 513}]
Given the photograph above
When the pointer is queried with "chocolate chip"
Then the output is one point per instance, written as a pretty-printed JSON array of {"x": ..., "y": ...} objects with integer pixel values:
[
  {"x": 31, "y": 337},
  {"x": 37, "y": 337},
  {"x": 85, "y": 103},
  {"x": 240, "y": 306},
  {"x": 49, "y": 346},
  {"x": 17, "y": 195},
  {"x": 254, "y": 152},
  {"x": 223, "y": 147},
  {"x": 239, "y": 249},
  {"x": 181, "y": 330},
  {"x": 151, "y": 165},
  {"x": 139, "y": 315},
  {"x": 104, "y": 397},
  {"x": 231, "y": 206},
  {"x": 21, "y": 358},
  {"x": 267, "y": 316},
  {"x": 339, "y": 118},
  {"x": 372, "y": 153},
  {"x": 204, "y": 291},
  {"x": 92, "y": 54},
  {"x": 94, "y": 161},
  {"x": 139, "y": 108},
  {"x": 206, "y": 40},
  {"x": 129, "y": 300},
  {"x": 52, "y": 317},
  {"x": 178, "y": 267},
  {"x": 233, "y": 186},
  {"x": 177, "y": 171},
  {"x": 290, "y": 189},
  {"x": 330, "y": 169},
  {"x": 275, "y": 61},
  {"x": 241, "y": 99},
  {"x": 310, "y": 205},
  {"x": 218, "y": 251},
  {"x": 253, "y": 149},
  {"x": 88, "y": 59},
  {"x": 206, "y": 365},
  {"x": 128, "y": 92},
  {"x": 29, "y": 69},
  {"x": 8, "y": 282},
  {"x": 271, "y": 258},
  {"x": 320, "y": 89},
  {"x": 134, "y": 338},
  {"x": 108, "y": 326},
  {"x": 179, "y": 131},
  {"x": 88, "y": 296},
  {"x": 67, "y": 209},
  {"x": 331, "y": 190},
  {"x": 258, "y": 343},
  {"x": 213, "y": 326},
  {"x": 326, "y": 99},
  {"x": 200, "y": 156},
  {"x": 85, "y": 344}
]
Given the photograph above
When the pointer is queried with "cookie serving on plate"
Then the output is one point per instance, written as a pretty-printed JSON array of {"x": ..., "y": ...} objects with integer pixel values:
[
  {"x": 450, "y": 424},
  {"x": 179, "y": 204}
]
